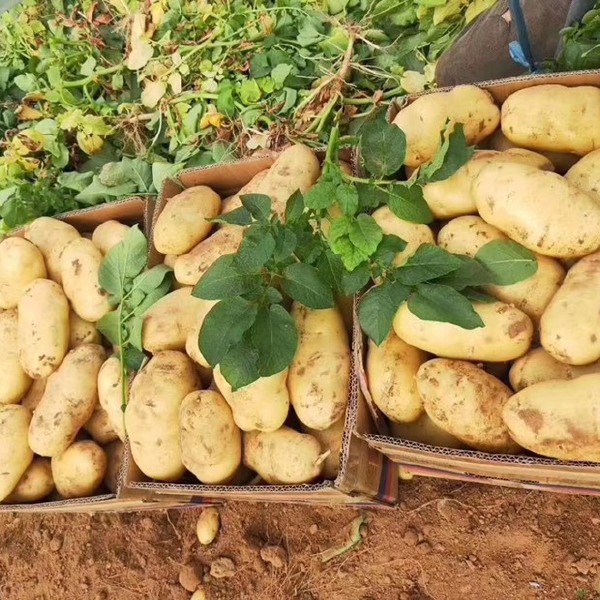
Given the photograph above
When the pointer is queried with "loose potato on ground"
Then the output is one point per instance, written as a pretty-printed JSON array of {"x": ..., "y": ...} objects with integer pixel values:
[
  {"x": 100, "y": 427},
  {"x": 20, "y": 263},
  {"x": 78, "y": 471},
  {"x": 283, "y": 457},
  {"x": 211, "y": 442},
  {"x": 82, "y": 332},
  {"x": 423, "y": 119},
  {"x": 509, "y": 196},
  {"x": 152, "y": 414},
  {"x": 425, "y": 431},
  {"x": 319, "y": 375},
  {"x": 15, "y": 382},
  {"x": 558, "y": 419},
  {"x": 192, "y": 345},
  {"x": 391, "y": 370},
  {"x": 15, "y": 453},
  {"x": 185, "y": 220},
  {"x": 114, "y": 456},
  {"x": 553, "y": 117},
  {"x": 110, "y": 394},
  {"x": 68, "y": 402},
  {"x": 109, "y": 234},
  {"x": 208, "y": 525},
  {"x": 331, "y": 441},
  {"x": 585, "y": 175},
  {"x": 466, "y": 402},
  {"x": 506, "y": 334},
  {"x": 33, "y": 397},
  {"x": 35, "y": 484},
  {"x": 43, "y": 328}
]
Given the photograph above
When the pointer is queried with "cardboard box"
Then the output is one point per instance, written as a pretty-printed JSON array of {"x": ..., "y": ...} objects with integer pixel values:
[{"x": 525, "y": 471}]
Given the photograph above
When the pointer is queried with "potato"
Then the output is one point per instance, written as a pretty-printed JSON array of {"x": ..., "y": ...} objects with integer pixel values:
[
  {"x": 558, "y": 419},
  {"x": 33, "y": 397},
  {"x": 553, "y": 117},
  {"x": 584, "y": 175},
  {"x": 467, "y": 235},
  {"x": 170, "y": 260},
  {"x": 110, "y": 395},
  {"x": 466, "y": 402},
  {"x": 108, "y": 235},
  {"x": 506, "y": 334},
  {"x": 509, "y": 196},
  {"x": 78, "y": 471},
  {"x": 283, "y": 457},
  {"x": 15, "y": 382},
  {"x": 80, "y": 264},
  {"x": 82, "y": 332},
  {"x": 51, "y": 236},
  {"x": 391, "y": 370},
  {"x": 235, "y": 201},
  {"x": 319, "y": 375},
  {"x": 68, "y": 402},
  {"x": 152, "y": 414},
  {"x": 211, "y": 442},
  {"x": 331, "y": 440},
  {"x": 570, "y": 325},
  {"x": 425, "y": 431},
  {"x": 185, "y": 220},
  {"x": 100, "y": 428},
  {"x": 427, "y": 116},
  {"x": 413, "y": 234},
  {"x": 261, "y": 406},
  {"x": 15, "y": 453},
  {"x": 114, "y": 456},
  {"x": 20, "y": 263},
  {"x": 35, "y": 484},
  {"x": 43, "y": 328},
  {"x": 192, "y": 347},
  {"x": 208, "y": 525}
]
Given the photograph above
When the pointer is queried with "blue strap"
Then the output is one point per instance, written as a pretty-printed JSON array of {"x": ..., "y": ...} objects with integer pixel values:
[{"x": 520, "y": 51}]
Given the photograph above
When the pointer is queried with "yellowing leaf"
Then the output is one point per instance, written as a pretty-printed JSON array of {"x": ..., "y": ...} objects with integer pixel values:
[
  {"x": 175, "y": 82},
  {"x": 19, "y": 147},
  {"x": 413, "y": 82},
  {"x": 70, "y": 120},
  {"x": 476, "y": 7},
  {"x": 90, "y": 144},
  {"x": 138, "y": 26},
  {"x": 27, "y": 113},
  {"x": 93, "y": 124},
  {"x": 153, "y": 92},
  {"x": 141, "y": 49},
  {"x": 157, "y": 13},
  {"x": 451, "y": 8},
  {"x": 211, "y": 117}
]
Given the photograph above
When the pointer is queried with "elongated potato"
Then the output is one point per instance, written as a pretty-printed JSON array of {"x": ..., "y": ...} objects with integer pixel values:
[
  {"x": 211, "y": 442},
  {"x": 152, "y": 414},
  {"x": 43, "y": 328},
  {"x": 261, "y": 406},
  {"x": 553, "y": 117},
  {"x": 15, "y": 453},
  {"x": 78, "y": 471},
  {"x": 114, "y": 456},
  {"x": 51, "y": 236},
  {"x": 192, "y": 346},
  {"x": 509, "y": 196},
  {"x": 466, "y": 402},
  {"x": 283, "y": 457},
  {"x": 427, "y": 116},
  {"x": 558, "y": 419},
  {"x": 319, "y": 375},
  {"x": 506, "y": 334},
  {"x": 35, "y": 394},
  {"x": 82, "y": 332},
  {"x": 391, "y": 370},
  {"x": 110, "y": 394},
  {"x": 15, "y": 382},
  {"x": 425, "y": 431},
  {"x": 331, "y": 440},
  {"x": 68, "y": 402},
  {"x": 108, "y": 234},
  {"x": 20, "y": 263},
  {"x": 100, "y": 428},
  {"x": 585, "y": 175},
  {"x": 235, "y": 201},
  {"x": 35, "y": 484}
]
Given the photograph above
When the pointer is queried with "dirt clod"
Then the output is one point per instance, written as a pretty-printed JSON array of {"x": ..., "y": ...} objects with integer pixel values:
[
  {"x": 274, "y": 555},
  {"x": 55, "y": 544},
  {"x": 222, "y": 568},
  {"x": 313, "y": 529},
  {"x": 411, "y": 537},
  {"x": 189, "y": 577}
]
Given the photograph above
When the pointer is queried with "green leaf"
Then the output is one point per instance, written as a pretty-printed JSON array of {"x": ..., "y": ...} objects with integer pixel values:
[
  {"x": 365, "y": 233},
  {"x": 294, "y": 207},
  {"x": 133, "y": 358},
  {"x": 87, "y": 68},
  {"x": 54, "y": 77},
  {"x": 407, "y": 202},
  {"x": 354, "y": 281},
  {"x": 387, "y": 250},
  {"x": 152, "y": 278},
  {"x": 331, "y": 268},
  {"x": 162, "y": 171},
  {"x": 109, "y": 326},
  {"x": 427, "y": 263},
  {"x": 140, "y": 172},
  {"x": 273, "y": 295},
  {"x": 237, "y": 216},
  {"x": 224, "y": 279},
  {"x": 279, "y": 74},
  {"x": 475, "y": 295},
  {"x": 370, "y": 196},
  {"x": 26, "y": 82},
  {"x": 96, "y": 192},
  {"x": 134, "y": 329},
  {"x": 508, "y": 261},
  {"x": 304, "y": 284},
  {"x": 434, "y": 302},
  {"x": 259, "y": 206},
  {"x": 249, "y": 92},
  {"x": 75, "y": 181},
  {"x": 239, "y": 365},
  {"x": 346, "y": 196},
  {"x": 351, "y": 256},
  {"x": 470, "y": 274},
  {"x": 321, "y": 195},
  {"x": 153, "y": 297},
  {"x": 257, "y": 247},
  {"x": 259, "y": 66},
  {"x": 382, "y": 147},
  {"x": 285, "y": 244}
]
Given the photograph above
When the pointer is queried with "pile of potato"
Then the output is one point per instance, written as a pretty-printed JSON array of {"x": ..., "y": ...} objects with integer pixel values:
[
  {"x": 58, "y": 441},
  {"x": 530, "y": 378}
]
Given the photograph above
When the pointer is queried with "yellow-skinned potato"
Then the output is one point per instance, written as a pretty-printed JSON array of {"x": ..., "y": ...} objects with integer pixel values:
[
  {"x": 68, "y": 402},
  {"x": 506, "y": 334},
  {"x": 35, "y": 484},
  {"x": 43, "y": 328},
  {"x": 424, "y": 119},
  {"x": 152, "y": 414},
  {"x": 509, "y": 196},
  {"x": 283, "y": 457},
  {"x": 82, "y": 332},
  {"x": 553, "y": 117},
  {"x": 114, "y": 456},
  {"x": 211, "y": 442},
  {"x": 20, "y": 263},
  {"x": 331, "y": 441},
  {"x": 100, "y": 428},
  {"x": 319, "y": 375},
  {"x": 570, "y": 325},
  {"x": 391, "y": 370},
  {"x": 425, "y": 431},
  {"x": 108, "y": 234},
  {"x": 585, "y": 175},
  {"x": 15, "y": 382},
  {"x": 192, "y": 346},
  {"x": 558, "y": 419},
  {"x": 78, "y": 472},
  {"x": 260, "y": 406},
  {"x": 251, "y": 187},
  {"x": 467, "y": 235},
  {"x": 35, "y": 394},
  {"x": 466, "y": 402},
  {"x": 414, "y": 234},
  {"x": 15, "y": 453},
  {"x": 185, "y": 220},
  {"x": 110, "y": 394},
  {"x": 51, "y": 236}
]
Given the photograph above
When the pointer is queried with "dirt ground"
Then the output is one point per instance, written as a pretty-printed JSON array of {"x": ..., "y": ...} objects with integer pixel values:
[{"x": 446, "y": 541}]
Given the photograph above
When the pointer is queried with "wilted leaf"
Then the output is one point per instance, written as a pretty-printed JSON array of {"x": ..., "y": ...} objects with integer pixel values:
[{"x": 153, "y": 92}]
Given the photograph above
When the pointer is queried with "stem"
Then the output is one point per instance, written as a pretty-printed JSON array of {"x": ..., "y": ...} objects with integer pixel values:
[
  {"x": 91, "y": 78},
  {"x": 122, "y": 364},
  {"x": 363, "y": 180},
  {"x": 333, "y": 144}
]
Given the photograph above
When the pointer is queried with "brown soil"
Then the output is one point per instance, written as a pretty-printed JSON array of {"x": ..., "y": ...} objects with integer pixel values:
[{"x": 446, "y": 541}]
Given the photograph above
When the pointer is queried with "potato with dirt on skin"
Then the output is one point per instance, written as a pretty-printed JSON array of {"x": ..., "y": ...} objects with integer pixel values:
[
  {"x": 585, "y": 175},
  {"x": 43, "y": 328},
  {"x": 15, "y": 381},
  {"x": 109, "y": 234},
  {"x": 100, "y": 428},
  {"x": 110, "y": 394},
  {"x": 284, "y": 457},
  {"x": 211, "y": 442},
  {"x": 35, "y": 484},
  {"x": 558, "y": 419},
  {"x": 232, "y": 202},
  {"x": 331, "y": 440},
  {"x": 82, "y": 332},
  {"x": 425, "y": 431},
  {"x": 35, "y": 394},
  {"x": 114, "y": 456},
  {"x": 152, "y": 414},
  {"x": 192, "y": 344},
  {"x": 79, "y": 470},
  {"x": 20, "y": 263},
  {"x": 466, "y": 402},
  {"x": 15, "y": 453},
  {"x": 68, "y": 402}
]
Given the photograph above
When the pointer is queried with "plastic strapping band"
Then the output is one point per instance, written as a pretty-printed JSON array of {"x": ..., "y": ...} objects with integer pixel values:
[{"x": 520, "y": 51}]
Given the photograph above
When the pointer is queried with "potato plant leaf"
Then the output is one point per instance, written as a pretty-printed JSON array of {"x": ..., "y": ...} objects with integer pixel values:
[
  {"x": 239, "y": 365},
  {"x": 304, "y": 284},
  {"x": 382, "y": 147},
  {"x": 427, "y": 263},
  {"x": 507, "y": 261}
]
